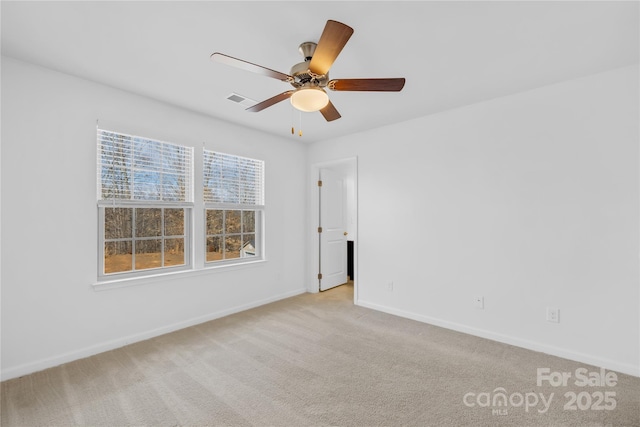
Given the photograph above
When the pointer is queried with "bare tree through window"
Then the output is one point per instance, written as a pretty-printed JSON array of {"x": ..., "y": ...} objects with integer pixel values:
[
  {"x": 234, "y": 198},
  {"x": 144, "y": 194}
]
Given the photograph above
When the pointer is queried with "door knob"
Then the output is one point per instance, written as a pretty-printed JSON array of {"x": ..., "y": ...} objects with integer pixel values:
[{"x": 345, "y": 233}]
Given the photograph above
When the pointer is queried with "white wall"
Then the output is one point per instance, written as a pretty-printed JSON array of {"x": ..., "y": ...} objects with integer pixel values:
[
  {"x": 529, "y": 200},
  {"x": 50, "y": 311}
]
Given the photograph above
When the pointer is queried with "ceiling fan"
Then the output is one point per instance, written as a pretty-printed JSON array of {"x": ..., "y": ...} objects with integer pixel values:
[{"x": 311, "y": 77}]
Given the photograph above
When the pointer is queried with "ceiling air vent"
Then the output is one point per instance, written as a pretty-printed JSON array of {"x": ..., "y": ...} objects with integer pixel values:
[{"x": 242, "y": 100}]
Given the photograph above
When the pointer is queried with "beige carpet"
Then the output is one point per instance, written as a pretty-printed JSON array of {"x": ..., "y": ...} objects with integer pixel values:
[{"x": 314, "y": 360}]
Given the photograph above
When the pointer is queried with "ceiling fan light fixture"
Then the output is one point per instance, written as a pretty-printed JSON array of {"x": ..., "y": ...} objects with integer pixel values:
[{"x": 309, "y": 99}]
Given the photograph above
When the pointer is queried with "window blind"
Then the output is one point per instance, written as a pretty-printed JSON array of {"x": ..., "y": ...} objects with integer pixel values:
[
  {"x": 136, "y": 168},
  {"x": 233, "y": 179}
]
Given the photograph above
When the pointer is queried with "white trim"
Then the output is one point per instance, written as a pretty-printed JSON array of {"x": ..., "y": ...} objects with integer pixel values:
[
  {"x": 109, "y": 203},
  {"x": 624, "y": 368},
  {"x": 233, "y": 206},
  {"x": 50, "y": 362},
  {"x": 210, "y": 268}
]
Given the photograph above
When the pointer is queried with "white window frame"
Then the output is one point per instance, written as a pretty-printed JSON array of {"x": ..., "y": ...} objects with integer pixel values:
[
  {"x": 132, "y": 203},
  {"x": 254, "y": 202},
  {"x": 102, "y": 205}
]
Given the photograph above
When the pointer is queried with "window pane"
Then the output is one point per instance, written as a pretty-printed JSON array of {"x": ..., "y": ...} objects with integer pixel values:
[
  {"x": 148, "y": 222},
  {"x": 232, "y": 222},
  {"x": 146, "y": 185},
  {"x": 138, "y": 168},
  {"x": 147, "y": 154},
  {"x": 248, "y": 245},
  {"x": 173, "y": 252},
  {"x": 232, "y": 247},
  {"x": 214, "y": 248},
  {"x": 117, "y": 257},
  {"x": 116, "y": 182},
  {"x": 148, "y": 254},
  {"x": 229, "y": 179},
  {"x": 249, "y": 221},
  {"x": 214, "y": 222},
  {"x": 117, "y": 223},
  {"x": 173, "y": 187},
  {"x": 174, "y": 158},
  {"x": 232, "y": 179},
  {"x": 174, "y": 222}
]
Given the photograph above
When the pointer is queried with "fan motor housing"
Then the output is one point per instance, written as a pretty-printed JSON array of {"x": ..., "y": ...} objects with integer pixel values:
[{"x": 300, "y": 72}]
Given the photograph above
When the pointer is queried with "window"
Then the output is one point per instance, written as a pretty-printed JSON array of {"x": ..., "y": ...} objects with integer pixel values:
[
  {"x": 234, "y": 207},
  {"x": 145, "y": 195},
  {"x": 145, "y": 207}
]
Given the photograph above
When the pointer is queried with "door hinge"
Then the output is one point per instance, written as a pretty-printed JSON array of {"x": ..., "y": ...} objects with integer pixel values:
[
  {"x": 319, "y": 229},
  {"x": 319, "y": 276},
  {"x": 319, "y": 183}
]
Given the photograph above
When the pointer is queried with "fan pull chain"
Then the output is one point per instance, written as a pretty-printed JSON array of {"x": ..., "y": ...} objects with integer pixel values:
[{"x": 293, "y": 130}]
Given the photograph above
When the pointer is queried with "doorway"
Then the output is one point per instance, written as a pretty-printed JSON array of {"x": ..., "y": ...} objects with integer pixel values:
[{"x": 334, "y": 217}]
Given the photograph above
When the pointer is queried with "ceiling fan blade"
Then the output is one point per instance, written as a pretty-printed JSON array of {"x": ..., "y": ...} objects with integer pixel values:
[
  {"x": 248, "y": 66},
  {"x": 330, "y": 113},
  {"x": 332, "y": 40},
  {"x": 373, "y": 85},
  {"x": 271, "y": 101}
]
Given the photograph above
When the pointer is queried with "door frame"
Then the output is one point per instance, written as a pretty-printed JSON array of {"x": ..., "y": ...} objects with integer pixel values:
[{"x": 349, "y": 165}]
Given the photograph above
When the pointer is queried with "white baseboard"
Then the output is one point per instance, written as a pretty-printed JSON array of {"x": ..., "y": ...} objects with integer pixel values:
[
  {"x": 613, "y": 365},
  {"x": 29, "y": 368}
]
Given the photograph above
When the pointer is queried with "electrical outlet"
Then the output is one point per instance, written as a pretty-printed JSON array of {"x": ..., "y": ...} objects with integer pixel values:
[
  {"x": 553, "y": 314},
  {"x": 390, "y": 286},
  {"x": 478, "y": 302}
]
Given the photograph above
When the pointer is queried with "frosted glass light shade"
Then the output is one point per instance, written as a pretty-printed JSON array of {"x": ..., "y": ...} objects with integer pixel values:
[{"x": 309, "y": 99}]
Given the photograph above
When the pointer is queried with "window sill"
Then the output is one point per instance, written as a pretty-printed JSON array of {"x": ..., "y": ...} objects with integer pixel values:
[{"x": 105, "y": 285}]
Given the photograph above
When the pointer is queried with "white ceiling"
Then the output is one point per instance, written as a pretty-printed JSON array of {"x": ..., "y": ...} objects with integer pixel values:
[{"x": 451, "y": 53}]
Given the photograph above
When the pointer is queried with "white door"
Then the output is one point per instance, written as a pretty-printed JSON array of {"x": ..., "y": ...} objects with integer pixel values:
[{"x": 333, "y": 240}]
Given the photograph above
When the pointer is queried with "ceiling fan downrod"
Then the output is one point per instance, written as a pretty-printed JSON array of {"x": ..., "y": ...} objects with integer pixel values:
[{"x": 307, "y": 49}]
